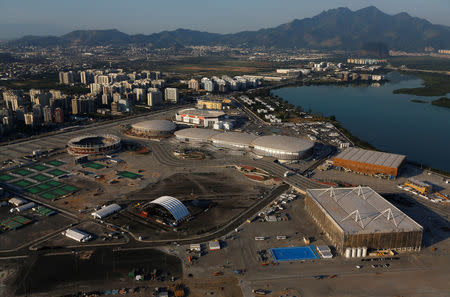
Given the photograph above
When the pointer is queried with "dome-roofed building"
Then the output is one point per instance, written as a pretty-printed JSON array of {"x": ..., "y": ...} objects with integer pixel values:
[
  {"x": 282, "y": 147},
  {"x": 167, "y": 206},
  {"x": 152, "y": 129},
  {"x": 233, "y": 140},
  {"x": 195, "y": 134}
]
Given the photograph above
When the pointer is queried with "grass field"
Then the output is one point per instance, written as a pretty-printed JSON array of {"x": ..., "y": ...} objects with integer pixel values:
[
  {"x": 421, "y": 62},
  {"x": 56, "y": 163},
  {"x": 129, "y": 175},
  {"x": 23, "y": 183},
  {"x": 23, "y": 172},
  {"x": 94, "y": 165},
  {"x": 56, "y": 172},
  {"x": 39, "y": 167},
  {"x": 6, "y": 177},
  {"x": 40, "y": 177}
]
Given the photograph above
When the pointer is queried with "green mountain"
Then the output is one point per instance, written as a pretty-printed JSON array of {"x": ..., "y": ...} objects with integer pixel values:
[{"x": 339, "y": 28}]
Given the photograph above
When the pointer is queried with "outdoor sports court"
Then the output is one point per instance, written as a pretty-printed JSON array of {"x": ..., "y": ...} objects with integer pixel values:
[
  {"x": 40, "y": 177},
  {"x": 55, "y": 163},
  {"x": 293, "y": 253},
  {"x": 23, "y": 172},
  {"x": 39, "y": 167},
  {"x": 6, "y": 177},
  {"x": 128, "y": 174},
  {"x": 23, "y": 183},
  {"x": 94, "y": 165},
  {"x": 56, "y": 172}
]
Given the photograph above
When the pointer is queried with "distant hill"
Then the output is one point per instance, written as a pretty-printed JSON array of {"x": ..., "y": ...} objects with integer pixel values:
[{"x": 339, "y": 28}]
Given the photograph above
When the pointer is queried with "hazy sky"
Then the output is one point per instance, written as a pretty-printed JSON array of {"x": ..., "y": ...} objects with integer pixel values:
[{"x": 43, "y": 17}]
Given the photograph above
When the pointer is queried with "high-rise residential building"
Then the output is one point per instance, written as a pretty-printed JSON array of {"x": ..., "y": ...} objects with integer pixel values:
[
  {"x": 83, "y": 105},
  {"x": 154, "y": 97},
  {"x": 106, "y": 99},
  {"x": 47, "y": 113},
  {"x": 193, "y": 84},
  {"x": 116, "y": 97},
  {"x": 171, "y": 94},
  {"x": 13, "y": 99},
  {"x": 101, "y": 79},
  {"x": 58, "y": 115},
  {"x": 42, "y": 99},
  {"x": 208, "y": 85},
  {"x": 37, "y": 114},
  {"x": 139, "y": 94},
  {"x": 66, "y": 78},
  {"x": 56, "y": 94},
  {"x": 29, "y": 119},
  {"x": 96, "y": 88},
  {"x": 34, "y": 94},
  {"x": 86, "y": 77}
]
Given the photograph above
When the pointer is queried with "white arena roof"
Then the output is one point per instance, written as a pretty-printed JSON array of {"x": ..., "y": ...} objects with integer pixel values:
[
  {"x": 283, "y": 143},
  {"x": 371, "y": 157},
  {"x": 201, "y": 112},
  {"x": 173, "y": 205},
  {"x": 361, "y": 210},
  {"x": 198, "y": 134},
  {"x": 234, "y": 138},
  {"x": 106, "y": 211},
  {"x": 155, "y": 125}
]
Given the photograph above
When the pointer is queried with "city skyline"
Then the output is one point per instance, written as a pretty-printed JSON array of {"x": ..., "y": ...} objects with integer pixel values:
[{"x": 51, "y": 17}]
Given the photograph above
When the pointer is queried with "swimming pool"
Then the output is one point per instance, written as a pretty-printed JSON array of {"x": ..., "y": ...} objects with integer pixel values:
[{"x": 293, "y": 253}]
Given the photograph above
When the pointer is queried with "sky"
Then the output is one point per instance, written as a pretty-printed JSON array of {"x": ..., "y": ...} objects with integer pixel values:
[{"x": 56, "y": 17}]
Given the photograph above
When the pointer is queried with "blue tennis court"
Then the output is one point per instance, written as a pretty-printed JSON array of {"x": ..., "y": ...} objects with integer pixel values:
[{"x": 293, "y": 253}]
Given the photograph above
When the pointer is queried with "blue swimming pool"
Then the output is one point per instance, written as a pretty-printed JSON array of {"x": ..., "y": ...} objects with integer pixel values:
[{"x": 293, "y": 253}]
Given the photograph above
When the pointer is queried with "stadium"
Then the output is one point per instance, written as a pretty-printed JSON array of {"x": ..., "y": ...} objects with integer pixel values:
[
  {"x": 360, "y": 217},
  {"x": 282, "y": 147},
  {"x": 370, "y": 162},
  {"x": 152, "y": 129},
  {"x": 167, "y": 210},
  {"x": 94, "y": 144},
  {"x": 199, "y": 117}
]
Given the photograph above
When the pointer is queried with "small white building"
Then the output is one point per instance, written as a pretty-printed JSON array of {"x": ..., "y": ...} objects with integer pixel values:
[
  {"x": 17, "y": 201},
  {"x": 77, "y": 235},
  {"x": 195, "y": 247},
  {"x": 23, "y": 208},
  {"x": 214, "y": 245},
  {"x": 324, "y": 251},
  {"x": 106, "y": 211}
]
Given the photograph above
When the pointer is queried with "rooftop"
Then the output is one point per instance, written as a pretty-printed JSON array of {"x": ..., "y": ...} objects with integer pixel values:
[
  {"x": 283, "y": 143},
  {"x": 201, "y": 112},
  {"x": 196, "y": 133},
  {"x": 236, "y": 138},
  {"x": 159, "y": 125},
  {"x": 371, "y": 157},
  {"x": 362, "y": 210}
]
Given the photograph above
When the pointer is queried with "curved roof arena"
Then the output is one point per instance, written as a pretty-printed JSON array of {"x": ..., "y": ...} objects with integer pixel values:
[
  {"x": 282, "y": 143},
  {"x": 201, "y": 112},
  {"x": 234, "y": 138},
  {"x": 155, "y": 125},
  {"x": 173, "y": 205},
  {"x": 198, "y": 134}
]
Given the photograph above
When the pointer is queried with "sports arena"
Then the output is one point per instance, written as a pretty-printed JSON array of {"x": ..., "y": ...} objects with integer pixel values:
[
  {"x": 152, "y": 129},
  {"x": 91, "y": 144},
  {"x": 167, "y": 210},
  {"x": 199, "y": 117}
]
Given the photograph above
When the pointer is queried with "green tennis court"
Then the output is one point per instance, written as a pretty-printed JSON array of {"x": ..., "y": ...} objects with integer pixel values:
[
  {"x": 56, "y": 172},
  {"x": 94, "y": 165},
  {"x": 23, "y": 172},
  {"x": 40, "y": 177},
  {"x": 70, "y": 188},
  {"x": 34, "y": 190},
  {"x": 44, "y": 187},
  {"x": 55, "y": 163},
  {"x": 128, "y": 174},
  {"x": 23, "y": 183},
  {"x": 53, "y": 183},
  {"x": 39, "y": 167},
  {"x": 48, "y": 196},
  {"x": 6, "y": 177}
]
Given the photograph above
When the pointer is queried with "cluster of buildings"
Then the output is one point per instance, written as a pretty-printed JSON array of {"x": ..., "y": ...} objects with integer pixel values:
[
  {"x": 365, "y": 61},
  {"x": 223, "y": 84},
  {"x": 266, "y": 110}
]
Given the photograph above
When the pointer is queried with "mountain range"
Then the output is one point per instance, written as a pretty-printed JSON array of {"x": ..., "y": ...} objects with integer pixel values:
[{"x": 335, "y": 29}]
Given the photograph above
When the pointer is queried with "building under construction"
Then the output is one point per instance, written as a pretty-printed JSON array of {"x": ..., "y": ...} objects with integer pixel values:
[
  {"x": 369, "y": 162},
  {"x": 360, "y": 217}
]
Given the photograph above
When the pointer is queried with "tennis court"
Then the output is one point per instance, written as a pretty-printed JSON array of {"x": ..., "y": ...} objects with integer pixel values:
[
  {"x": 70, "y": 188},
  {"x": 34, "y": 190},
  {"x": 48, "y": 196},
  {"x": 94, "y": 165},
  {"x": 6, "y": 177},
  {"x": 128, "y": 174},
  {"x": 53, "y": 183},
  {"x": 23, "y": 172},
  {"x": 56, "y": 172},
  {"x": 55, "y": 163},
  {"x": 293, "y": 253},
  {"x": 44, "y": 187},
  {"x": 40, "y": 177},
  {"x": 39, "y": 167},
  {"x": 23, "y": 183}
]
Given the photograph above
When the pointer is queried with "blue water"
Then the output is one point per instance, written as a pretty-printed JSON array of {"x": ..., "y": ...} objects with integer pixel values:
[
  {"x": 390, "y": 122},
  {"x": 293, "y": 253}
]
